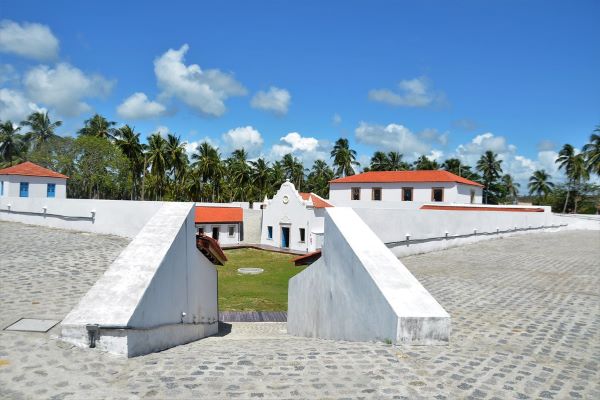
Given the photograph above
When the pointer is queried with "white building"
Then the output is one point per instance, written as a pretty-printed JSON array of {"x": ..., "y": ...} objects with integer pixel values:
[
  {"x": 30, "y": 180},
  {"x": 293, "y": 220},
  {"x": 225, "y": 224},
  {"x": 406, "y": 188}
]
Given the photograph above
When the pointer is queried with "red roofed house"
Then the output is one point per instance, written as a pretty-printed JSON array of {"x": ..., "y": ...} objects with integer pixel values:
[
  {"x": 225, "y": 224},
  {"x": 294, "y": 220},
  {"x": 30, "y": 180},
  {"x": 424, "y": 186}
]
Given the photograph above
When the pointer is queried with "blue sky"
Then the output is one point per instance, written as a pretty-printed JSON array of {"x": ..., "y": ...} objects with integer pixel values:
[{"x": 434, "y": 77}]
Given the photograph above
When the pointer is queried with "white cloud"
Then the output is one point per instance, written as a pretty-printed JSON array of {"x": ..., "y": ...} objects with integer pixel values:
[
  {"x": 162, "y": 130},
  {"x": 29, "y": 40},
  {"x": 245, "y": 137},
  {"x": 275, "y": 100},
  {"x": 138, "y": 106},
  {"x": 203, "y": 90},
  {"x": 336, "y": 119},
  {"x": 8, "y": 74},
  {"x": 14, "y": 106},
  {"x": 64, "y": 87},
  {"x": 392, "y": 137},
  {"x": 307, "y": 149},
  {"x": 411, "y": 93}
]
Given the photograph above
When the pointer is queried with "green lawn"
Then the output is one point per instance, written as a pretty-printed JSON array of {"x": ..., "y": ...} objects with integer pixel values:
[{"x": 263, "y": 292}]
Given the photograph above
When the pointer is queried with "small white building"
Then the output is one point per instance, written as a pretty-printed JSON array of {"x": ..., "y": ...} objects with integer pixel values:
[
  {"x": 294, "y": 220},
  {"x": 403, "y": 188},
  {"x": 224, "y": 224},
  {"x": 30, "y": 180}
]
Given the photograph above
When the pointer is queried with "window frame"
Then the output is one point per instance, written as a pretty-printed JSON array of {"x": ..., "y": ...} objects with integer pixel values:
[
  {"x": 472, "y": 198},
  {"x": 352, "y": 191},
  {"x": 21, "y": 186},
  {"x": 231, "y": 231},
  {"x": 53, "y": 186},
  {"x": 433, "y": 189},
  {"x": 412, "y": 193},
  {"x": 1, "y": 188},
  {"x": 201, "y": 230},
  {"x": 380, "y": 193},
  {"x": 269, "y": 233},
  {"x": 302, "y": 235}
]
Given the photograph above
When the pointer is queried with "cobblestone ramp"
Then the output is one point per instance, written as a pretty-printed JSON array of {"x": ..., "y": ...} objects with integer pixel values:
[{"x": 525, "y": 314}]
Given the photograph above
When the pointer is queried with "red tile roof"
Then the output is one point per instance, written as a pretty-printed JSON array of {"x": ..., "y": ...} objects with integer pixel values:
[
  {"x": 205, "y": 215},
  {"x": 488, "y": 208},
  {"x": 30, "y": 169},
  {"x": 405, "y": 176},
  {"x": 317, "y": 201}
]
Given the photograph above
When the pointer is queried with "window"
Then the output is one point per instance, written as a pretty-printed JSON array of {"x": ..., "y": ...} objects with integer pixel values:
[
  {"x": 231, "y": 231},
  {"x": 201, "y": 230},
  {"x": 407, "y": 194},
  {"x": 270, "y": 232},
  {"x": 376, "y": 194},
  {"x": 24, "y": 189},
  {"x": 472, "y": 196},
  {"x": 437, "y": 194},
  {"x": 1, "y": 188},
  {"x": 302, "y": 234},
  {"x": 355, "y": 195},
  {"x": 51, "y": 190},
  {"x": 215, "y": 232}
]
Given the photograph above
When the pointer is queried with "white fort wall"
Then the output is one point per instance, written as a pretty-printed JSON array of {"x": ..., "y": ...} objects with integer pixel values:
[
  {"x": 408, "y": 232},
  {"x": 359, "y": 291},
  {"x": 160, "y": 292},
  {"x": 111, "y": 217}
]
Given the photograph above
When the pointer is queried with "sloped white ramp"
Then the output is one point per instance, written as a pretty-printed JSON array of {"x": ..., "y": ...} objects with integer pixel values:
[
  {"x": 160, "y": 292},
  {"x": 359, "y": 291}
]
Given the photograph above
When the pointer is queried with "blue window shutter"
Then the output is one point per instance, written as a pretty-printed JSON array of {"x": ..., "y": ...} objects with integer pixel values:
[
  {"x": 51, "y": 190},
  {"x": 24, "y": 189}
]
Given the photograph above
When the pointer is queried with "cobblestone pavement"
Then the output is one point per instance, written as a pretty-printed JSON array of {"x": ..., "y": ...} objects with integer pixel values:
[{"x": 525, "y": 314}]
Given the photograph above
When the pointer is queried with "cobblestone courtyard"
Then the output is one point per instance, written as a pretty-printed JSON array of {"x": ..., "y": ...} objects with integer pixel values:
[{"x": 525, "y": 324}]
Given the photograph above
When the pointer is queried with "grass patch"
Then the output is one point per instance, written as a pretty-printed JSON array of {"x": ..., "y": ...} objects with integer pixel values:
[{"x": 264, "y": 292}]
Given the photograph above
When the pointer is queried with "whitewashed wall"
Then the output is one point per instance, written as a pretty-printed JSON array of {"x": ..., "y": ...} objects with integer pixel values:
[
  {"x": 358, "y": 290},
  {"x": 417, "y": 231},
  {"x": 38, "y": 186},
  {"x": 252, "y": 225},
  {"x": 112, "y": 217},
  {"x": 340, "y": 193},
  {"x": 224, "y": 238},
  {"x": 160, "y": 291},
  {"x": 295, "y": 214}
]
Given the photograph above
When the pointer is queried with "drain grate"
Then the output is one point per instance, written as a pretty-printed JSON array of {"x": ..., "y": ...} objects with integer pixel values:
[{"x": 32, "y": 325}]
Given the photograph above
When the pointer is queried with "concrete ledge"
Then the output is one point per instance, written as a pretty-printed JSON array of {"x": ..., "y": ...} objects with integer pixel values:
[{"x": 359, "y": 291}]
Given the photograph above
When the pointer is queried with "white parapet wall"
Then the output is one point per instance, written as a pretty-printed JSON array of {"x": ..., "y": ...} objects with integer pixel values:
[
  {"x": 359, "y": 291},
  {"x": 111, "y": 217},
  {"x": 408, "y": 232},
  {"x": 160, "y": 292}
]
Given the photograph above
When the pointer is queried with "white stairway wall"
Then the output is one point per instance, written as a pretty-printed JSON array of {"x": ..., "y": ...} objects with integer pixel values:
[{"x": 359, "y": 291}]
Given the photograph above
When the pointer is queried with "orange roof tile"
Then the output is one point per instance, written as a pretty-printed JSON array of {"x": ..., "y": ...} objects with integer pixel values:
[
  {"x": 30, "y": 169},
  {"x": 405, "y": 176},
  {"x": 317, "y": 201},
  {"x": 205, "y": 215}
]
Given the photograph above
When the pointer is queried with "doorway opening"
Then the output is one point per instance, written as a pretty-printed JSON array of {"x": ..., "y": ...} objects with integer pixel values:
[{"x": 285, "y": 237}]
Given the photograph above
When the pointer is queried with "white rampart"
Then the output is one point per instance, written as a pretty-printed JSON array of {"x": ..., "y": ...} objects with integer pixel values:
[
  {"x": 408, "y": 232},
  {"x": 158, "y": 293},
  {"x": 358, "y": 290},
  {"x": 111, "y": 217}
]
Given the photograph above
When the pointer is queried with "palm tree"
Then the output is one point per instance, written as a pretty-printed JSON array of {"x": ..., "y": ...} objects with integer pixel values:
[
  {"x": 177, "y": 162},
  {"x": 98, "y": 126},
  {"x": 41, "y": 128},
  {"x": 379, "y": 161},
  {"x": 491, "y": 168},
  {"x": 294, "y": 170},
  {"x": 566, "y": 161},
  {"x": 319, "y": 177},
  {"x": 395, "y": 162},
  {"x": 208, "y": 166},
  {"x": 129, "y": 142},
  {"x": 239, "y": 172},
  {"x": 10, "y": 141},
  {"x": 261, "y": 174},
  {"x": 539, "y": 184},
  {"x": 343, "y": 157},
  {"x": 424, "y": 163},
  {"x": 592, "y": 152},
  {"x": 512, "y": 188},
  {"x": 158, "y": 159}
]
